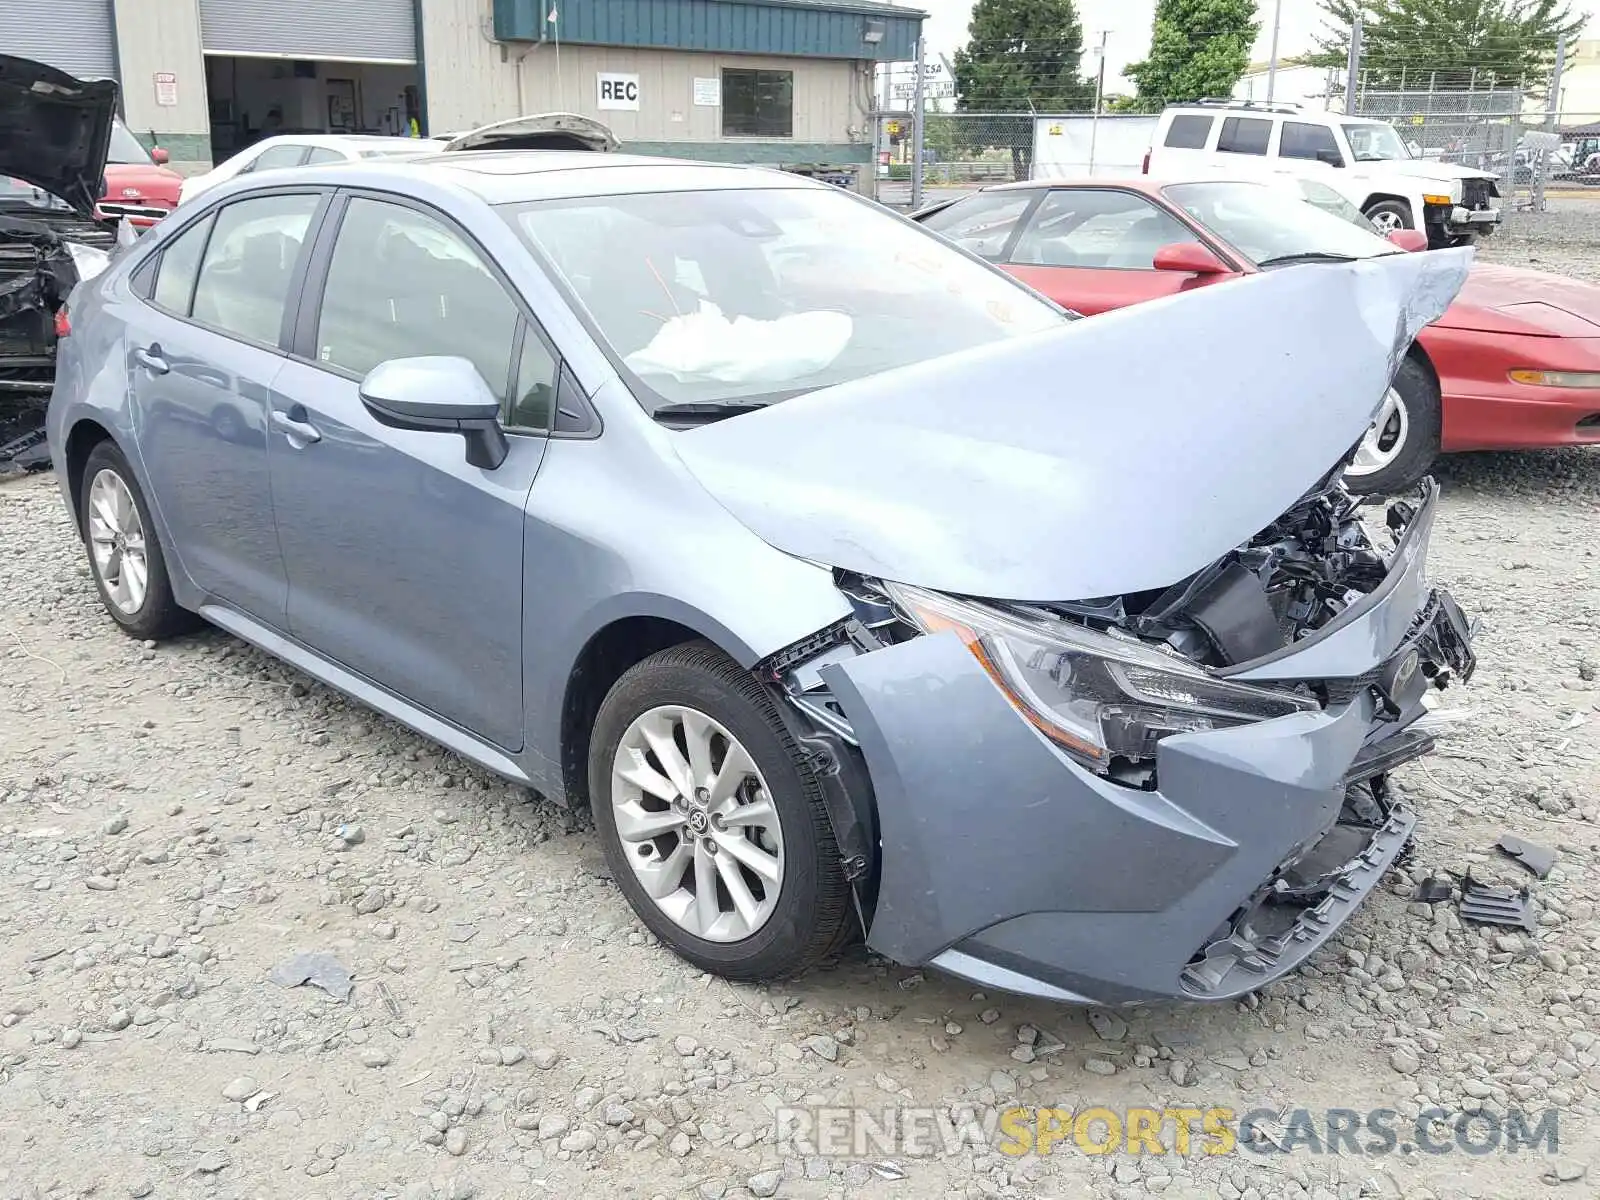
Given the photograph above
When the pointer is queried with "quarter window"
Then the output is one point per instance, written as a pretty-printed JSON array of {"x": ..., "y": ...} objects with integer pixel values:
[
  {"x": 1097, "y": 228},
  {"x": 178, "y": 266},
  {"x": 1314, "y": 142},
  {"x": 534, "y": 400},
  {"x": 1189, "y": 132},
  {"x": 249, "y": 265},
  {"x": 403, "y": 284},
  {"x": 1244, "y": 135},
  {"x": 286, "y": 155},
  {"x": 321, "y": 154},
  {"x": 757, "y": 103}
]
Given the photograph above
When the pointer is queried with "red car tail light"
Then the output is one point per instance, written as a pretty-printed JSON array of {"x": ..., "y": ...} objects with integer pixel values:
[{"x": 63, "y": 324}]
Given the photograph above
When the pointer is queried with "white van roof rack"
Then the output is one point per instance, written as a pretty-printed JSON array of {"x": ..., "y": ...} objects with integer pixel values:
[{"x": 1247, "y": 105}]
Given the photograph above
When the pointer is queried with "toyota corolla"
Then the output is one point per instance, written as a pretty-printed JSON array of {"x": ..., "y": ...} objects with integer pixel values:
[{"x": 858, "y": 588}]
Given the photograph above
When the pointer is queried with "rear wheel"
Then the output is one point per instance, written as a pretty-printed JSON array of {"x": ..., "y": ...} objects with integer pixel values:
[
  {"x": 711, "y": 819},
  {"x": 1400, "y": 447},
  {"x": 125, "y": 552}
]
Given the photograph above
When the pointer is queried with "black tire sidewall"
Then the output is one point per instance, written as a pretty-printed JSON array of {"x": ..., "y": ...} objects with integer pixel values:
[
  {"x": 1420, "y": 396},
  {"x": 160, "y": 611},
  {"x": 1403, "y": 211},
  {"x": 786, "y": 943}
]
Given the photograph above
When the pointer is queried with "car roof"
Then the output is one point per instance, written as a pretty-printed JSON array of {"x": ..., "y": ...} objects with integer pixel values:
[{"x": 511, "y": 176}]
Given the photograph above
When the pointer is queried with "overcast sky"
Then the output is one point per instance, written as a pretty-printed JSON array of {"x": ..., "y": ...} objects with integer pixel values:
[{"x": 1127, "y": 26}]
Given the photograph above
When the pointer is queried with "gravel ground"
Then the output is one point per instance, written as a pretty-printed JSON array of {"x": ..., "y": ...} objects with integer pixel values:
[{"x": 177, "y": 820}]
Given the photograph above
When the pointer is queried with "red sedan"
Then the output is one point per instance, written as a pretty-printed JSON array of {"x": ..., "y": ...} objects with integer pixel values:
[{"x": 1514, "y": 363}]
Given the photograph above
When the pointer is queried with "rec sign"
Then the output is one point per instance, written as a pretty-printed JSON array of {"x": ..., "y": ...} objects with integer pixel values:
[{"x": 618, "y": 91}]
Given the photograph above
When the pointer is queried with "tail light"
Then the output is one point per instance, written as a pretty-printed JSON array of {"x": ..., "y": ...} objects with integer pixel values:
[
  {"x": 63, "y": 324},
  {"x": 1145, "y": 168}
]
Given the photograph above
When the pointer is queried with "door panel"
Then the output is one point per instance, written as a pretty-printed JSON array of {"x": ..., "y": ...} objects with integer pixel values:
[
  {"x": 1092, "y": 292},
  {"x": 404, "y": 562},
  {"x": 204, "y": 360}
]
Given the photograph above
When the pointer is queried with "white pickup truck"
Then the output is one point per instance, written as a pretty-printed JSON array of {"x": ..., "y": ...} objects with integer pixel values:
[{"x": 1367, "y": 161}]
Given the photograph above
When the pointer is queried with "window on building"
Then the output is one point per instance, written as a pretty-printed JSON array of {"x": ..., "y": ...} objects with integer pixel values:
[
  {"x": 403, "y": 284},
  {"x": 757, "y": 103},
  {"x": 249, "y": 265},
  {"x": 1304, "y": 140},
  {"x": 1244, "y": 135},
  {"x": 1189, "y": 133}
]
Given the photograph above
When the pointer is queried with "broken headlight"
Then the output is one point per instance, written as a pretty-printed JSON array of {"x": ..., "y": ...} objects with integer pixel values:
[{"x": 1097, "y": 697}]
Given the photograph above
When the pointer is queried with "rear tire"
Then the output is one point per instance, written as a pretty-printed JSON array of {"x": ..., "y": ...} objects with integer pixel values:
[
  {"x": 125, "y": 553},
  {"x": 643, "y": 732},
  {"x": 1402, "y": 446}
]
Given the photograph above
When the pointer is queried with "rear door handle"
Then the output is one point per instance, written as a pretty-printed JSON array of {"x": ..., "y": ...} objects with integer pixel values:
[
  {"x": 301, "y": 432},
  {"x": 151, "y": 360}
]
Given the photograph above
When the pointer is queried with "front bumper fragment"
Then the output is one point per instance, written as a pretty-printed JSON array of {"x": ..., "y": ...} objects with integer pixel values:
[{"x": 1006, "y": 862}]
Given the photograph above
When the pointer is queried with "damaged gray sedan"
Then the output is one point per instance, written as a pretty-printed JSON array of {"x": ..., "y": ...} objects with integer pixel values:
[{"x": 859, "y": 589}]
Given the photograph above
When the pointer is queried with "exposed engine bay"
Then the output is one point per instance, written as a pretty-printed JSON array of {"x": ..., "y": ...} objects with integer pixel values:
[{"x": 42, "y": 258}]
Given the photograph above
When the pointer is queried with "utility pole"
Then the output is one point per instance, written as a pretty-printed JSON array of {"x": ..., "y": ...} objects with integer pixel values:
[
  {"x": 1099, "y": 93},
  {"x": 1354, "y": 72},
  {"x": 1272, "y": 61},
  {"x": 1539, "y": 161},
  {"x": 918, "y": 102}
]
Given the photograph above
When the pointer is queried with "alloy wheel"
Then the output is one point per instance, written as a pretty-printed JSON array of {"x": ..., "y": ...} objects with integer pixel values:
[
  {"x": 1385, "y": 439},
  {"x": 117, "y": 542},
  {"x": 697, "y": 823},
  {"x": 1386, "y": 222}
]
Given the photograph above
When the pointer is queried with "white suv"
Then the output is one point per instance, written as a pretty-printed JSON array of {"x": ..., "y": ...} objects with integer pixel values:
[{"x": 1365, "y": 160}]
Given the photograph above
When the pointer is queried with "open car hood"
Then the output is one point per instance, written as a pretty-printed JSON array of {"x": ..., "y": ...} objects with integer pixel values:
[
  {"x": 546, "y": 131},
  {"x": 1113, "y": 455},
  {"x": 55, "y": 130}
]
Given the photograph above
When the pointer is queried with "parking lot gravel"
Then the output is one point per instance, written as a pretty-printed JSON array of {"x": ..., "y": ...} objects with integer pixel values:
[{"x": 178, "y": 820}]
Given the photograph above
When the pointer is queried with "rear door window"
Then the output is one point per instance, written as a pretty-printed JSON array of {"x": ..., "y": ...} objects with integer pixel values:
[
  {"x": 1188, "y": 132},
  {"x": 1244, "y": 135},
  {"x": 249, "y": 265},
  {"x": 983, "y": 223}
]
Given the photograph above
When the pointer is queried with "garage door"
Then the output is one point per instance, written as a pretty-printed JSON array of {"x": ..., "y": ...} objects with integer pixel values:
[
  {"x": 75, "y": 36},
  {"x": 353, "y": 30}
]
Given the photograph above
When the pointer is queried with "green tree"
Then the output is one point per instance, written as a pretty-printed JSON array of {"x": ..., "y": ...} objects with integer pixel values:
[
  {"x": 1198, "y": 48},
  {"x": 1021, "y": 57},
  {"x": 1451, "y": 43}
]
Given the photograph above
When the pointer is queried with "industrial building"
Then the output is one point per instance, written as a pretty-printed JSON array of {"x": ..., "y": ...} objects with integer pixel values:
[{"x": 759, "y": 81}]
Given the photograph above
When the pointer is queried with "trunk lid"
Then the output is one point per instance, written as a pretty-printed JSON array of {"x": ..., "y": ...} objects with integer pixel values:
[
  {"x": 545, "y": 131},
  {"x": 1115, "y": 455},
  {"x": 55, "y": 130}
]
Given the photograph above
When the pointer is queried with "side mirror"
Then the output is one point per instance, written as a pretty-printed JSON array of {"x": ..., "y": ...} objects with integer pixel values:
[
  {"x": 1191, "y": 258},
  {"x": 160, "y": 156},
  {"x": 1410, "y": 240},
  {"x": 1331, "y": 157},
  {"x": 439, "y": 393}
]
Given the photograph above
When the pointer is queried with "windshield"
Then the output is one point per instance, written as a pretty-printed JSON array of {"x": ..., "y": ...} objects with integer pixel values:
[
  {"x": 1267, "y": 224},
  {"x": 125, "y": 148},
  {"x": 754, "y": 295},
  {"x": 1375, "y": 143}
]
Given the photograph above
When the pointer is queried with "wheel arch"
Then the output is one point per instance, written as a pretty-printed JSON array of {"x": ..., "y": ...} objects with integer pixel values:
[
  {"x": 86, "y": 433},
  {"x": 1395, "y": 198}
]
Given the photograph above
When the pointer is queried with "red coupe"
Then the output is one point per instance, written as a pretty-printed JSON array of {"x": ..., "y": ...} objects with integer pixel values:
[{"x": 1514, "y": 363}]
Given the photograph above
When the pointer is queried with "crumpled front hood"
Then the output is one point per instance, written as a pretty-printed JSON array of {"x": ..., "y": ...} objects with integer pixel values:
[
  {"x": 1114, "y": 455},
  {"x": 55, "y": 130}
]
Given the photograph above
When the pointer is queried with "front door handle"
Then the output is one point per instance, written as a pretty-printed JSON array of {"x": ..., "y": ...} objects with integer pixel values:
[
  {"x": 151, "y": 360},
  {"x": 300, "y": 433}
]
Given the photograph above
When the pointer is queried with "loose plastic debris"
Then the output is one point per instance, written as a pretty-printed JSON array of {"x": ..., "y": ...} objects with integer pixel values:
[
  {"x": 321, "y": 969},
  {"x": 1433, "y": 890},
  {"x": 1499, "y": 904},
  {"x": 1538, "y": 859}
]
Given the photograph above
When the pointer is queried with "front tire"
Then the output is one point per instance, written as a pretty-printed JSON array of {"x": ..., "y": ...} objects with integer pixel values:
[
  {"x": 125, "y": 554},
  {"x": 1403, "y": 442},
  {"x": 1388, "y": 216},
  {"x": 712, "y": 821}
]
